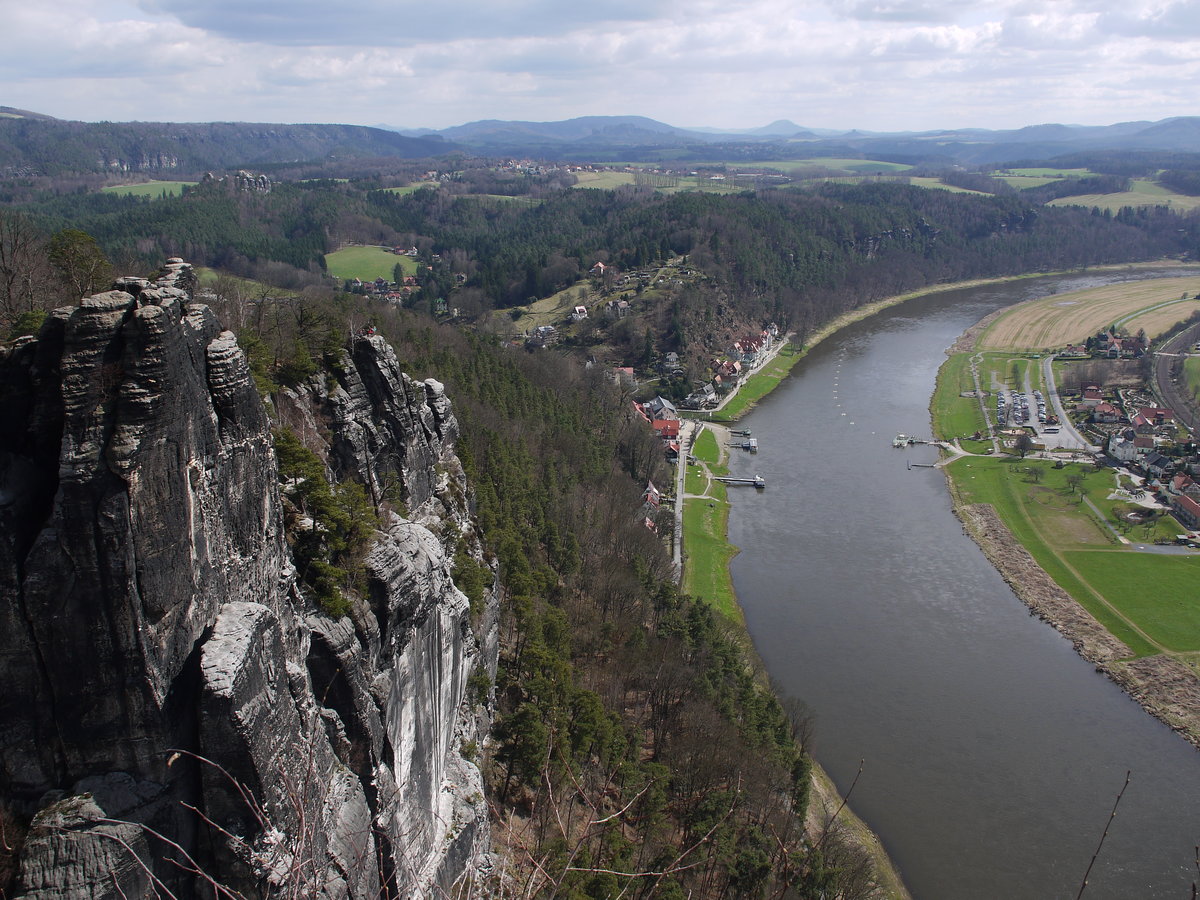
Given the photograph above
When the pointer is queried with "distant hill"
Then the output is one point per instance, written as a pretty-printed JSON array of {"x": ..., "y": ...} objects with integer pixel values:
[
  {"x": 41, "y": 145},
  {"x": 32, "y": 144}
]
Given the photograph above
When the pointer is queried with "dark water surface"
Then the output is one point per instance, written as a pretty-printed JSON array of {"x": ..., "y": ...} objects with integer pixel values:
[{"x": 993, "y": 752}]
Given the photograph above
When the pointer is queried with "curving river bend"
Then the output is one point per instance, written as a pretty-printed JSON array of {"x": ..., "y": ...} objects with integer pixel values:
[{"x": 993, "y": 753}]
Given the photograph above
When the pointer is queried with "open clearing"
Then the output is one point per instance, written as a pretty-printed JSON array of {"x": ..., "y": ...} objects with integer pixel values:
[
  {"x": 1052, "y": 322},
  {"x": 1142, "y": 193},
  {"x": 367, "y": 263},
  {"x": 152, "y": 189},
  {"x": 409, "y": 188}
]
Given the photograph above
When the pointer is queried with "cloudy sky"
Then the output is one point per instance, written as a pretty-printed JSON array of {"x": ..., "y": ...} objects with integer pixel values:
[{"x": 870, "y": 64}]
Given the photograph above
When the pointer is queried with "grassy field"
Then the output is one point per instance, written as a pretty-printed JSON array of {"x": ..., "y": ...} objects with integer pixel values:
[
  {"x": 706, "y": 564},
  {"x": 152, "y": 189},
  {"x": 1169, "y": 613},
  {"x": 706, "y": 449},
  {"x": 1052, "y": 322},
  {"x": 604, "y": 180},
  {"x": 707, "y": 551},
  {"x": 955, "y": 415},
  {"x": 1023, "y": 182},
  {"x": 1142, "y": 193},
  {"x": 367, "y": 263},
  {"x": 1051, "y": 522},
  {"x": 1191, "y": 369},
  {"x": 409, "y": 188},
  {"x": 936, "y": 183},
  {"x": 1043, "y": 172}
]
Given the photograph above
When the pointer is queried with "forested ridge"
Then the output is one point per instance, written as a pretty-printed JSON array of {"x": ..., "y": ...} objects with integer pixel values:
[{"x": 814, "y": 252}]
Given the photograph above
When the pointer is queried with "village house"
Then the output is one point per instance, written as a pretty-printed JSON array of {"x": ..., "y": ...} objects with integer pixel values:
[
  {"x": 1187, "y": 510},
  {"x": 579, "y": 313},
  {"x": 624, "y": 376},
  {"x": 1121, "y": 447},
  {"x": 661, "y": 408},
  {"x": 1156, "y": 464},
  {"x": 1106, "y": 414},
  {"x": 1090, "y": 396}
]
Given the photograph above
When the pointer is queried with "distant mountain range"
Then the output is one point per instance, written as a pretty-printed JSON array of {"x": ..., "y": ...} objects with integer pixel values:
[
  {"x": 587, "y": 134},
  {"x": 31, "y": 143}
]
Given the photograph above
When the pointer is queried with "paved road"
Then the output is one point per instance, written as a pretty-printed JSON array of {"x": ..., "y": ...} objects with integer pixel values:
[{"x": 1067, "y": 435}]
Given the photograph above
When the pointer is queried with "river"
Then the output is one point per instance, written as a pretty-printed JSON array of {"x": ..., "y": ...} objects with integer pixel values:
[{"x": 993, "y": 753}]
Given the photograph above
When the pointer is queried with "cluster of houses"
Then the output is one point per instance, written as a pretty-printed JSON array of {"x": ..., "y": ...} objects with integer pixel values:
[
  {"x": 663, "y": 417},
  {"x": 744, "y": 355},
  {"x": 1136, "y": 435},
  {"x": 382, "y": 289},
  {"x": 1110, "y": 345}
]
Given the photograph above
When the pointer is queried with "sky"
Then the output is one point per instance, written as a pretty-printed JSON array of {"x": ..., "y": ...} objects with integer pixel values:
[{"x": 878, "y": 65}]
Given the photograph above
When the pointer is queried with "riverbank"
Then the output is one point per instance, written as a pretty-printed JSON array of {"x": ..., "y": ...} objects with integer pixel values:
[{"x": 1124, "y": 641}]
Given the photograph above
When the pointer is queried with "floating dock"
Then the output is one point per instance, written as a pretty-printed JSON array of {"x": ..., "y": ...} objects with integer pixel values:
[{"x": 757, "y": 481}]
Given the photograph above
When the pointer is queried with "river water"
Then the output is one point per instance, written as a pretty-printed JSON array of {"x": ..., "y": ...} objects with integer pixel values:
[{"x": 992, "y": 752}]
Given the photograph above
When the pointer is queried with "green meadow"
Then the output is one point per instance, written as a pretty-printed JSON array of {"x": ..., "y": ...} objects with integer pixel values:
[
  {"x": 152, "y": 189},
  {"x": 367, "y": 263}
]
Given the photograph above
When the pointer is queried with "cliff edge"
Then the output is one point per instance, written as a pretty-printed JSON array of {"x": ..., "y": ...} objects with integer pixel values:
[{"x": 177, "y": 713}]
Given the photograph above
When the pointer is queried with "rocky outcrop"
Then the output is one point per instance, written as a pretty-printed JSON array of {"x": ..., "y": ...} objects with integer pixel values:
[{"x": 173, "y": 705}]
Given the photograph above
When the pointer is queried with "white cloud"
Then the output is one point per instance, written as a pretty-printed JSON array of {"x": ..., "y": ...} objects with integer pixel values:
[{"x": 873, "y": 64}]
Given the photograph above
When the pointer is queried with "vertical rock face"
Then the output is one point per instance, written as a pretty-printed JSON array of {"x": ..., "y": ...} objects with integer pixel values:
[{"x": 161, "y": 666}]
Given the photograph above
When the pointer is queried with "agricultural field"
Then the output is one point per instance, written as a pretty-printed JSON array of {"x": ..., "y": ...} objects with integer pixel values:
[
  {"x": 1044, "y": 172},
  {"x": 1142, "y": 193},
  {"x": 604, "y": 180},
  {"x": 849, "y": 166},
  {"x": 152, "y": 189},
  {"x": 1023, "y": 182},
  {"x": 1052, "y": 322},
  {"x": 367, "y": 263},
  {"x": 937, "y": 184}
]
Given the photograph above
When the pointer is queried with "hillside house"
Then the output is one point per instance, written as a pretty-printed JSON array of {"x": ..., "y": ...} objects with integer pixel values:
[
  {"x": 1106, "y": 414},
  {"x": 661, "y": 408},
  {"x": 579, "y": 313}
]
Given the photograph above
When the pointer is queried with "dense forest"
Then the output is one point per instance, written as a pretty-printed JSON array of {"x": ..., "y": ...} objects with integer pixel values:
[{"x": 810, "y": 253}]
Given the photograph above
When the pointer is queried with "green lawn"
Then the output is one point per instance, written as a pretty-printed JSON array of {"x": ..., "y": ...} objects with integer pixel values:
[
  {"x": 694, "y": 481},
  {"x": 1157, "y": 592},
  {"x": 955, "y": 415},
  {"x": 706, "y": 564},
  {"x": 367, "y": 263},
  {"x": 1083, "y": 556},
  {"x": 705, "y": 449},
  {"x": 152, "y": 189}
]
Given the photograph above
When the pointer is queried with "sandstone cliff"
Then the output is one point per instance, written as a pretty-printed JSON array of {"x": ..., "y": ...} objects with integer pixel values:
[{"x": 174, "y": 709}]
